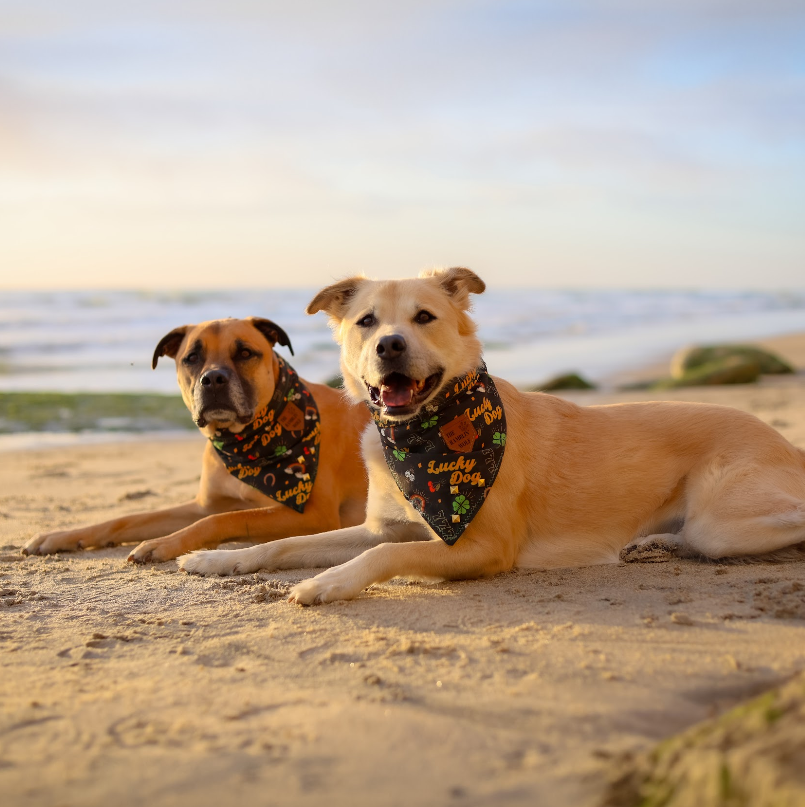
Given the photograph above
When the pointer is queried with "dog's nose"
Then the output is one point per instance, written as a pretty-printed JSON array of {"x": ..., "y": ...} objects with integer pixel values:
[
  {"x": 215, "y": 378},
  {"x": 389, "y": 347}
]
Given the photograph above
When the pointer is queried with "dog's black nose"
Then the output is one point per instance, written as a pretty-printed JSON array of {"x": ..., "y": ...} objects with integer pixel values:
[
  {"x": 389, "y": 347},
  {"x": 215, "y": 378}
]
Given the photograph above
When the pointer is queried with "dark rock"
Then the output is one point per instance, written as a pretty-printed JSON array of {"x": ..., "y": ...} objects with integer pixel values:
[
  {"x": 731, "y": 370},
  {"x": 559, "y": 382},
  {"x": 692, "y": 358}
]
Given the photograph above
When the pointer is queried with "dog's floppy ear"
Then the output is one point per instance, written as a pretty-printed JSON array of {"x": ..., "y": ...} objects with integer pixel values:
[
  {"x": 272, "y": 332},
  {"x": 458, "y": 282},
  {"x": 334, "y": 299},
  {"x": 169, "y": 344}
]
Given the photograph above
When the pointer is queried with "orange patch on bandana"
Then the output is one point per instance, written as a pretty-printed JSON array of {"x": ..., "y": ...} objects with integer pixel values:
[
  {"x": 291, "y": 419},
  {"x": 459, "y": 433}
]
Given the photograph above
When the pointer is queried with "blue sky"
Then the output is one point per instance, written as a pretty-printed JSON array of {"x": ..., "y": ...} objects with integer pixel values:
[{"x": 544, "y": 143}]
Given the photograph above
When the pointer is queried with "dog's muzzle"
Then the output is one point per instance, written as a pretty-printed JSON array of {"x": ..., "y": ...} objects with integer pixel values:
[{"x": 218, "y": 396}]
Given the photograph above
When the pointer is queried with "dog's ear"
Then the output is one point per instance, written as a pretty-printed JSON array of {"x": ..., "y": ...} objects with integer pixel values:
[
  {"x": 458, "y": 282},
  {"x": 272, "y": 332},
  {"x": 334, "y": 299},
  {"x": 169, "y": 344}
]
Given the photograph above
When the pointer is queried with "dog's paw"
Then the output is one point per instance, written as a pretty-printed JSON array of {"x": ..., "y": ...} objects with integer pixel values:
[
  {"x": 325, "y": 587},
  {"x": 46, "y": 543},
  {"x": 652, "y": 549},
  {"x": 308, "y": 592},
  {"x": 157, "y": 550},
  {"x": 210, "y": 562}
]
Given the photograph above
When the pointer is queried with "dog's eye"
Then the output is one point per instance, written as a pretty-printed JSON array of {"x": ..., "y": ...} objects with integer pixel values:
[
  {"x": 367, "y": 321},
  {"x": 190, "y": 358},
  {"x": 245, "y": 353},
  {"x": 424, "y": 317}
]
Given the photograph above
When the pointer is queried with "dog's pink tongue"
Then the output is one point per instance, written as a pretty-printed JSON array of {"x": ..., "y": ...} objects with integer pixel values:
[{"x": 397, "y": 393}]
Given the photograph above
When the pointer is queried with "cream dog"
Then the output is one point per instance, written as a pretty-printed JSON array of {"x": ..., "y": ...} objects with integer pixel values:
[{"x": 577, "y": 485}]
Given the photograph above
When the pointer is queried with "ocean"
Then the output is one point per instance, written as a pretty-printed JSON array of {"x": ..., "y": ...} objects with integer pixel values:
[{"x": 102, "y": 341}]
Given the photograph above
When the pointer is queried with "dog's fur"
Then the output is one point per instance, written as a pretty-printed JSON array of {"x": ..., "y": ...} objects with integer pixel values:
[
  {"x": 577, "y": 486},
  {"x": 239, "y": 353}
]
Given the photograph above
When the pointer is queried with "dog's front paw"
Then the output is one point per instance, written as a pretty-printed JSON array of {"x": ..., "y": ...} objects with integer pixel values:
[
  {"x": 308, "y": 592},
  {"x": 210, "y": 562},
  {"x": 158, "y": 550},
  {"x": 46, "y": 543},
  {"x": 324, "y": 587}
]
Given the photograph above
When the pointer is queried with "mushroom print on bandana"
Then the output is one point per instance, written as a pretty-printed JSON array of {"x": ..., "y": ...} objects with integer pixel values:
[
  {"x": 446, "y": 458},
  {"x": 278, "y": 452}
]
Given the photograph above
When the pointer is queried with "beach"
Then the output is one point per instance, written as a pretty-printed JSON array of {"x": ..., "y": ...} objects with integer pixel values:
[{"x": 128, "y": 685}]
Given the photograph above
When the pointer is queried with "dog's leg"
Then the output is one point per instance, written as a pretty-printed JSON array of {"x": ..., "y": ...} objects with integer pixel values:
[
  {"x": 127, "y": 529},
  {"x": 300, "y": 552},
  {"x": 263, "y": 524},
  {"x": 749, "y": 535},
  {"x": 430, "y": 560},
  {"x": 720, "y": 533}
]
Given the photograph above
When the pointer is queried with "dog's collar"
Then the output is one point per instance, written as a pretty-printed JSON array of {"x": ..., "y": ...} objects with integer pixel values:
[
  {"x": 277, "y": 453},
  {"x": 446, "y": 458}
]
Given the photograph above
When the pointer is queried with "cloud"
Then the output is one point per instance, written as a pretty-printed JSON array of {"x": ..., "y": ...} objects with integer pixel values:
[{"x": 379, "y": 122}]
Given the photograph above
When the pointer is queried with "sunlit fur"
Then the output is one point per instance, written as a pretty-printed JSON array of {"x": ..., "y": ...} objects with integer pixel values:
[
  {"x": 432, "y": 347},
  {"x": 578, "y": 485},
  {"x": 252, "y": 379}
]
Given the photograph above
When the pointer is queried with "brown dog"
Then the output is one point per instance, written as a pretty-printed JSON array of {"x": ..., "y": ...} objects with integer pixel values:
[
  {"x": 227, "y": 372},
  {"x": 577, "y": 486}
]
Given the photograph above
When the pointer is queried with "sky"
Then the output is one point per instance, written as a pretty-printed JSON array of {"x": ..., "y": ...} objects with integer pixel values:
[{"x": 570, "y": 143}]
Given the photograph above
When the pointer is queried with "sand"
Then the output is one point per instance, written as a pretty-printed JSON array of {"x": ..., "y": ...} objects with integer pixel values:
[{"x": 132, "y": 685}]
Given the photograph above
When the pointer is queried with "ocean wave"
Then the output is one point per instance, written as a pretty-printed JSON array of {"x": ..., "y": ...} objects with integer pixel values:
[{"x": 103, "y": 340}]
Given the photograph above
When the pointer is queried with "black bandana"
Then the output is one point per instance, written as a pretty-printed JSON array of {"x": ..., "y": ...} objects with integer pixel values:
[
  {"x": 446, "y": 458},
  {"x": 277, "y": 452}
]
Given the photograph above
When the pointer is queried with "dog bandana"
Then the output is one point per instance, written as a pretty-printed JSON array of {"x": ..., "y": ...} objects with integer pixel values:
[
  {"x": 446, "y": 458},
  {"x": 277, "y": 453}
]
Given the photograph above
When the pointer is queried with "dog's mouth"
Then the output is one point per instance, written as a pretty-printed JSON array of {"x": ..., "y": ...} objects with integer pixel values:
[
  {"x": 400, "y": 394},
  {"x": 221, "y": 415}
]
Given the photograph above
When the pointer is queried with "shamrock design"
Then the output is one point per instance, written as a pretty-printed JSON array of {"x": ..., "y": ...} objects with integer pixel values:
[
  {"x": 499, "y": 439},
  {"x": 398, "y": 453},
  {"x": 429, "y": 423},
  {"x": 219, "y": 444},
  {"x": 460, "y": 505},
  {"x": 281, "y": 451},
  {"x": 409, "y": 475}
]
